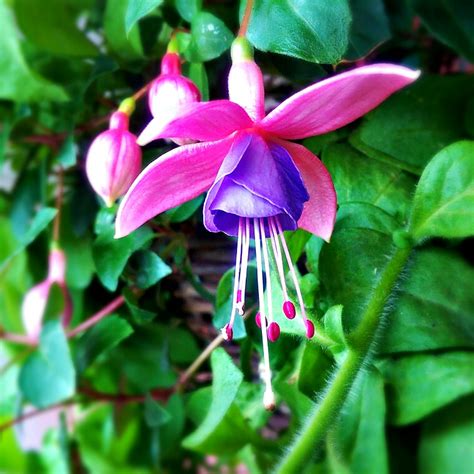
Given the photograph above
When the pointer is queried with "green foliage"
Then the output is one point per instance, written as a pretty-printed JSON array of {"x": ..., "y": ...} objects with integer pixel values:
[
  {"x": 19, "y": 82},
  {"x": 443, "y": 205},
  {"x": 420, "y": 384},
  {"x": 313, "y": 30},
  {"x": 101, "y": 338},
  {"x": 38, "y": 224},
  {"x": 450, "y": 22},
  {"x": 51, "y": 25},
  {"x": 48, "y": 375}
]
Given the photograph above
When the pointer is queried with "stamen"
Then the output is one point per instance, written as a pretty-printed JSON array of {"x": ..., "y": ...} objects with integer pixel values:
[
  {"x": 309, "y": 326},
  {"x": 227, "y": 330},
  {"x": 273, "y": 331},
  {"x": 243, "y": 268},
  {"x": 288, "y": 306},
  {"x": 268, "y": 398}
]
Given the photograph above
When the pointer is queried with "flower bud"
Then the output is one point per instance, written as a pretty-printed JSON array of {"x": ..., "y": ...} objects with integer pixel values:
[
  {"x": 245, "y": 80},
  {"x": 36, "y": 299},
  {"x": 171, "y": 90},
  {"x": 114, "y": 160}
]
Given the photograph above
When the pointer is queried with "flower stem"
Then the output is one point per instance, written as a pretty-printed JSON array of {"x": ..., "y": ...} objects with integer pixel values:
[
  {"x": 95, "y": 318},
  {"x": 59, "y": 203},
  {"x": 245, "y": 20},
  {"x": 336, "y": 394}
]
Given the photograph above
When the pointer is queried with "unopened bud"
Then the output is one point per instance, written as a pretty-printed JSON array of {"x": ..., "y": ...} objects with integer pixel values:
[
  {"x": 114, "y": 160},
  {"x": 171, "y": 90},
  {"x": 36, "y": 299},
  {"x": 245, "y": 80}
]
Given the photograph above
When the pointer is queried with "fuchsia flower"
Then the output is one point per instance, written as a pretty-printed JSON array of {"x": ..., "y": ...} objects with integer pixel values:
[
  {"x": 169, "y": 92},
  {"x": 114, "y": 159},
  {"x": 259, "y": 184},
  {"x": 36, "y": 299}
]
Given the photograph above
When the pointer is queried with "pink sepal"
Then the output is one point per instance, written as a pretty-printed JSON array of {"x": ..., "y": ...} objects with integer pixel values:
[
  {"x": 319, "y": 213},
  {"x": 335, "y": 102},
  {"x": 173, "y": 178}
]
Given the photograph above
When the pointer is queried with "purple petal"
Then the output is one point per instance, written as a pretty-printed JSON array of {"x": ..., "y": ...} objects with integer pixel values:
[{"x": 257, "y": 179}]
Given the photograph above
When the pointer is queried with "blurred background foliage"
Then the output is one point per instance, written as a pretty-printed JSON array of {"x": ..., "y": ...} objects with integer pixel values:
[{"x": 65, "y": 66}]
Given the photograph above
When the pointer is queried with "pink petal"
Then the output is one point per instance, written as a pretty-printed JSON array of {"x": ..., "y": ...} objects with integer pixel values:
[
  {"x": 174, "y": 178},
  {"x": 337, "y": 101},
  {"x": 203, "y": 121},
  {"x": 34, "y": 306},
  {"x": 319, "y": 213}
]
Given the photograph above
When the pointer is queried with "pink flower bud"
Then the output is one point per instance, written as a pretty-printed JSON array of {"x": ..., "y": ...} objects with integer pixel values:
[
  {"x": 171, "y": 90},
  {"x": 114, "y": 160},
  {"x": 36, "y": 299},
  {"x": 245, "y": 80}
]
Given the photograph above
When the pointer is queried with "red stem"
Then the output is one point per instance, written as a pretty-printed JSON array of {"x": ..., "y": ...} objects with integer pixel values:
[
  {"x": 95, "y": 318},
  {"x": 246, "y": 19},
  {"x": 91, "y": 321}
]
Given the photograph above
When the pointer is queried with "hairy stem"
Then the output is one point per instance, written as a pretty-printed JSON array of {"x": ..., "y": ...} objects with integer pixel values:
[{"x": 326, "y": 412}]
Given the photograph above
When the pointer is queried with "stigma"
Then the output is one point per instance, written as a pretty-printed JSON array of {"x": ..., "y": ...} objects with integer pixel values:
[{"x": 267, "y": 234}]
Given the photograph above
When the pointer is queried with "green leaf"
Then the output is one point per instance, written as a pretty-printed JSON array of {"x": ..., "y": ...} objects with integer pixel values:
[
  {"x": 184, "y": 211},
  {"x": 450, "y": 22},
  {"x": 40, "y": 221},
  {"x": 150, "y": 269},
  {"x": 105, "y": 335},
  {"x": 444, "y": 200},
  {"x": 212, "y": 435},
  {"x": 358, "y": 440},
  {"x": 420, "y": 384},
  {"x": 434, "y": 309},
  {"x": 417, "y": 122},
  {"x": 315, "y": 369},
  {"x": 48, "y": 375},
  {"x": 137, "y": 9},
  {"x": 198, "y": 74},
  {"x": 188, "y": 9},
  {"x": 313, "y": 30},
  {"x": 210, "y": 37},
  {"x": 447, "y": 440},
  {"x": 125, "y": 43},
  {"x": 19, "y": 83},
  {"x": 52, "y": 25},
  {"x": 14, "y": 280},
  {"x": 369, "y": 27},
  {"x": 358, "y": 179},
  {"x": 68, "y": 153},
  {"x": 350, "y": 267},
  {"x": 353, "y": 215},
  {"x": 172, "y": 431},
  {"x": 106, "y": 448},
  {"x": 155, "y": 414},
  {"x": 140, "y": 315},
  {"x": 111, "y": 255},
  {"x": 224, "y": 302},
  {"x": 334, "y": 330}
]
